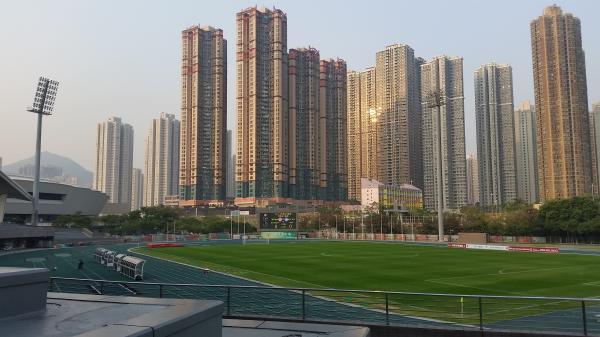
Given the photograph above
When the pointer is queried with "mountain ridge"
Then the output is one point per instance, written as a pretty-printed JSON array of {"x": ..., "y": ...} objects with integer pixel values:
[{"x": 68, "y": 166}]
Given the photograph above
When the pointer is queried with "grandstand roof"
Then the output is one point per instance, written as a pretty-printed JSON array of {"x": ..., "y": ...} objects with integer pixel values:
[{"x": 12, "y": 189}]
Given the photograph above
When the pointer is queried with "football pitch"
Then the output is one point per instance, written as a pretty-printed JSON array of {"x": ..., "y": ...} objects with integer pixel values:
[
  {"x": 398, "y": 267},
  {"x": 411, "y": 268},
  {"x": 412, "y": 272}
]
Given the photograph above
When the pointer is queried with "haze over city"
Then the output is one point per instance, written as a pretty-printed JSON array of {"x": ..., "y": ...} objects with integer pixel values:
[{"x": 123, "y": 59}]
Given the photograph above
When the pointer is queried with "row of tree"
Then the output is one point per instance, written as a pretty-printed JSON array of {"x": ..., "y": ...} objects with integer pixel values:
[
  {"x": 568, "y": 220},
  {"x": 148, "y": 220}
]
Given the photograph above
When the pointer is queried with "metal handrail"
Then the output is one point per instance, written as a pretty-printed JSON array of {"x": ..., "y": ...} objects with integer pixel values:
[
  {"x": 475, "y": 317},
  {"x": 380, "y": 292}
]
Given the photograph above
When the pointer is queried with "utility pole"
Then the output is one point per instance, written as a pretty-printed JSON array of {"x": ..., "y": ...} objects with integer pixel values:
[
  {"x": 435, "y": 101},
  {"x": 43, "y": 104}
]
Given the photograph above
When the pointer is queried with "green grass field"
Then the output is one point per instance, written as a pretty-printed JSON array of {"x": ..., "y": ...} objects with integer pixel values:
[
  {"x": 399, "y": 267},
  {"x": 411, "y": 268}
]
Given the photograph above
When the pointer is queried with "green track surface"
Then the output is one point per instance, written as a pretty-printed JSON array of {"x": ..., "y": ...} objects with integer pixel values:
[{"x": 398, "y": 267}]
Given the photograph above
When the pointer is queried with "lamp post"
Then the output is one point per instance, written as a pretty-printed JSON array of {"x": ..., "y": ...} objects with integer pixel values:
[
  {"x": 43, "y": 104},
  {"x": 435, "y": 101},
  {"x": 230, "y": 226},
  {"x": 336, "y": 228}
]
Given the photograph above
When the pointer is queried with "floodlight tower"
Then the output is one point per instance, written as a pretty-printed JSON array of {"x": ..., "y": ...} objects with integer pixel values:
[
  {"x": 435, "y": 101},
  {"x": 43, "y": 104}
]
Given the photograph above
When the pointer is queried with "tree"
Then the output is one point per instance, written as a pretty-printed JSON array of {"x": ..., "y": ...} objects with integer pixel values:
[
  {"x": 573, "y": 219},
  {"x": 74, "y": 220}
]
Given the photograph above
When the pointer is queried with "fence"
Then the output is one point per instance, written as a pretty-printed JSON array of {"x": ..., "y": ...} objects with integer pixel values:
[
  {"x": 329, "y": 234},
  {"x": 552, "y": 315}
]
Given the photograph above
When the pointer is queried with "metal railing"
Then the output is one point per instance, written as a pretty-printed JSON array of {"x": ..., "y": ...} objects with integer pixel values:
[{"x": 560, "y": 315}]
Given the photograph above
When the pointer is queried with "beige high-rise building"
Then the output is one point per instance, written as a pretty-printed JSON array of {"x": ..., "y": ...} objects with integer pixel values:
[
  {"x": 397, "y": 97},
  {"x": 137, "y": 189},
  {"x": 362, "y": 130},
  {"x": 495, "y": 134},
  {"x": 161, "y": 160},
  {"x": 304, "y": 137},
  {"x": 114, "y": 164},
  {"x": 472, "y": 180},
  {"x": 230, "y": 181},
  {"x": 354, "y": 143},
  {"x": 369, "y": 114},
  {"x": 262, "y": 107},
  {"x": 595, "y": 146},
  {"x": 562, "y": 118},
  {"x": 203, "y": 142},
  {"x": 333, "y": 129},
  {"x": 443, "y": 76},
  {"x": 525, "y": 144}
]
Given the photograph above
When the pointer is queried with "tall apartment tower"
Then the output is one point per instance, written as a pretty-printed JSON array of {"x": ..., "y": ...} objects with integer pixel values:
[
  {"x": 495, "y": 134},
  {"x": 137, "y": 189},
  {"x": 369, "y": 114},
  {"x": 161, "y": 160},
  {"x": 262, "y": 107},
  {"x": 333, "y": 129},
  {"x": 526, "y": 156},
  {"x": 472, "y": 180},
  {"x": 114, "y": 163},
  {"x": 415, "y": 122},
  {"x": 595, "y": 146},
  {"x": 562, "y": 125},
  {"x": 230, "y": 181},
  {"x": 443, "y": 76},
  {"x": 397, "y": 95},
  {"x": 362, "y": 114},
  {"x": 203, "y": 151},
  {"x": 353, "y": 137},
  {"x": 304, "y": 137}
]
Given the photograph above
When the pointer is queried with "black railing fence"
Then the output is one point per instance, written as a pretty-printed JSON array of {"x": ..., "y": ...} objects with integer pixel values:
[{"x": 560, "y": 315}]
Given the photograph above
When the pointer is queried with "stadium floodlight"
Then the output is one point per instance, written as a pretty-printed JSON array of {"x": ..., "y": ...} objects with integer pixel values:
[
  {"x": 45, "y": 95},
  {"x": 43, "y": 104},
  {"x": 434, "y": 100}
]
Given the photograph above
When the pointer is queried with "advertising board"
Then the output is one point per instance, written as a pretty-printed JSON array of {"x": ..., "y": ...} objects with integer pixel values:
[
  {"x": 279, "y": 221},
  {"x": 278, "y": 235}
]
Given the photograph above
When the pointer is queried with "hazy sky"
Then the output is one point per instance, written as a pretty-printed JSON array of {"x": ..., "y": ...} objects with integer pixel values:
[{"x": 122, "y": 57}]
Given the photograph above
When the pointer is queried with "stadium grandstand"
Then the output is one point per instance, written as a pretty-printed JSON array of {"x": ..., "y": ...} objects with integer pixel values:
[
  {"x": 55, "y": 199},
  {"x": 14, "y": 236}
]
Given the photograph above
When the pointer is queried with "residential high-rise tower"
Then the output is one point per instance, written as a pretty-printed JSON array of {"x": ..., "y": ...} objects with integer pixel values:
[
  {"x": 595, "y": 146},
  {"x": 304, "y": 137},
  {"x": 443, "y": 123},
  {"x": 262, "y": 107},
  {"x": 472, "y": 180},
  {"x": 526, "y": 156},
  {"x": 397, "y": 97},
  {"x": 161, "y": 160},
  {"x": 114, "y": 163},
  {"x": 495, "y": 134},
  {"x": 333, "y": 129},
  {"x": 203, "y": 143},
  {"x": 562, "y": 125},
  {"x": 137, "y": 189},
  {"x": 362, "y": 116},
  {"x": 230, "y": 181}
]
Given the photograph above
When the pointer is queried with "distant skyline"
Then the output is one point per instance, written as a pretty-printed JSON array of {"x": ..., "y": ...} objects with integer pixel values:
[{"x": 122, "y": 59}]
